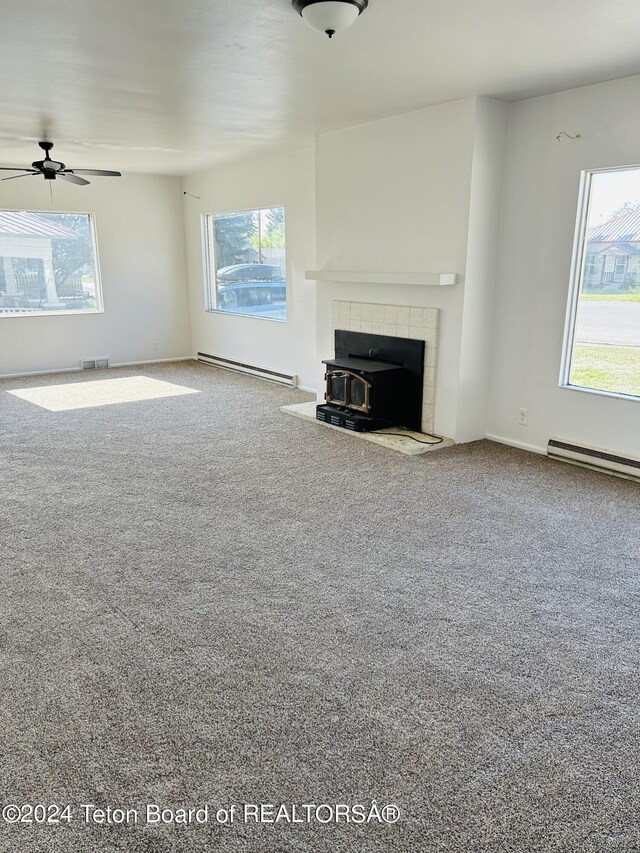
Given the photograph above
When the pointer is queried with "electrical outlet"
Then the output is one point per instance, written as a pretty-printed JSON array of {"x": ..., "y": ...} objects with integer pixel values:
[
  {"x": 523, "y": 417},
  {"x": 156, "y": 346}
]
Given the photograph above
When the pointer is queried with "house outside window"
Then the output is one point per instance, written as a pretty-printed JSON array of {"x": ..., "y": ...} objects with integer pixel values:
[
  {"x": 620, "y": 269},
  {"x": 48, "y": 264},
  {"x": 602, "y": 340},
  {"x": 591, "y": 266},
  {"x": 245, "y": 263}
]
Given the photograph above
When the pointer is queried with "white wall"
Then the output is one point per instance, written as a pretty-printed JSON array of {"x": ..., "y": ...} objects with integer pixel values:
[
  {"x": 542, "y": 177},
  {"x": 415, "y": 193},
  {"x": 485, "y": 203},
  {"x": 393, "y": 195},
  {"x": 285, "y": 180},
  {"x": 141, "y": 248}
]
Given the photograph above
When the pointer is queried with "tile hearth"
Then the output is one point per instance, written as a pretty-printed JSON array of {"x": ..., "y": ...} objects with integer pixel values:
[{"x": 307, "y": 411}]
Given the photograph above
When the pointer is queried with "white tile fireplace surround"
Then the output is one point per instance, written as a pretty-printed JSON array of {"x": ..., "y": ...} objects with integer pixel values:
[{"x": 400, "y": 321}]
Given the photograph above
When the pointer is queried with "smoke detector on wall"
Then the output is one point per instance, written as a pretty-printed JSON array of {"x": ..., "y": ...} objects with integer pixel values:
[{"x": 330, "y": 16}]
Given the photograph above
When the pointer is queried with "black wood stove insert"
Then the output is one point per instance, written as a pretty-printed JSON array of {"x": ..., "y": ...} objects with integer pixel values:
[{"x": 374, "y": 381}]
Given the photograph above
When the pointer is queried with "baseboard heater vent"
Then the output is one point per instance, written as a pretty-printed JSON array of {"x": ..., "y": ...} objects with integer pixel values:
[
  {"x": 93, "y": 363},
  {"x": 250, "y": 369},
  {"x": 594, "y": 457}
]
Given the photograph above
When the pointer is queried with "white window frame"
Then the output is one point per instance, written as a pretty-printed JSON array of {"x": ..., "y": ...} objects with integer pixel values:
[
  {"x": 578, "y": 260},
  {"x": 99, "y": 309},
  {"x": 209, "y": 261}
]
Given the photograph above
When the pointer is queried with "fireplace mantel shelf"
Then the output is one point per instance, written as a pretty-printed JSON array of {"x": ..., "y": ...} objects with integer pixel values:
[{"x": 438, "y": 279}]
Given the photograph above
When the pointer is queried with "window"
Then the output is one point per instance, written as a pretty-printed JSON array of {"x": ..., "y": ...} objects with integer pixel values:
[
  {"x": 591, "y": 265},
  {"x": 48, "y": 264},
  {"x": 246, "y": 264},
  {"x": 602, "y": 346},
  {"x": 620, "y": 269}
]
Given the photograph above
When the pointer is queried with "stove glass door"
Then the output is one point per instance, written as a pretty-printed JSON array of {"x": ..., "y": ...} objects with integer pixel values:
[{"x": 348, "y": 389}]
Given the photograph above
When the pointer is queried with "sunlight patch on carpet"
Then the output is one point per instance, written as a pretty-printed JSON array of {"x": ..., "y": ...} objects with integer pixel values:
[{"x": 101, "y": 392}]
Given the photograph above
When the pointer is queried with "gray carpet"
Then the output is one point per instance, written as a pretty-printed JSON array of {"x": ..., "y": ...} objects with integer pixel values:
[{"x": 207, "y": 601}]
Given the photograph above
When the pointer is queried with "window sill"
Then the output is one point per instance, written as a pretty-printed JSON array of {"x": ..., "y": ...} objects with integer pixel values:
[
  {"x": 20, "y": 313},
  {"x": 611, "y": 394},
  {"x": 222, "y": 313}
]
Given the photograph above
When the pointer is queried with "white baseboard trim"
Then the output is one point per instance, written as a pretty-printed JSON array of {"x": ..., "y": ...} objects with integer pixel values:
[
  {"x": 151, "y": 361},
  {"x": 308, "y": 390},
  {"x": 40, "y": 372},
  {"x": 79, "y": 370},
  {"x": 521, "y": 445}
]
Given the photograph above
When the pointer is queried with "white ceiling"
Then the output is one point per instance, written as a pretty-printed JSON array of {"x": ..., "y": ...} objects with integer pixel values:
[{"x": 166, "y": 86}]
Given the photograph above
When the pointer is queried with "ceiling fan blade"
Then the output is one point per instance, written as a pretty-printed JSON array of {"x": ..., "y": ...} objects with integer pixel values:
[
  {"x": 74, "y": 179},
  {"x": 16, "y": 169},
  {"x": 24, "y": 175},
  {"x": 102, "y": 172}
]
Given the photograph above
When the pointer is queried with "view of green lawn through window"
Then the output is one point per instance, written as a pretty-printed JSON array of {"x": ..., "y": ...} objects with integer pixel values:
[
  {"x": 605, "y": 353},
  {"x": 47, "y": 263}
]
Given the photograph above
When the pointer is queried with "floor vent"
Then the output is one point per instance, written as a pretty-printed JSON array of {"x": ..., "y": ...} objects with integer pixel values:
[
  {"x": 93, "y": 363},
  {"x": 594, "y": 457},
  {"x": 250, "y": 369}
]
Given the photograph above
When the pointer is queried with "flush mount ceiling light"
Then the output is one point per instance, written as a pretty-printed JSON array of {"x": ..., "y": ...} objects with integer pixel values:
[{"x": 330, "y": 16}]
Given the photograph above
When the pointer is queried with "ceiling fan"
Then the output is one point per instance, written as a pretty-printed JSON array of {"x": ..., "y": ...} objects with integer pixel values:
[{"x": 51, "y": 170}]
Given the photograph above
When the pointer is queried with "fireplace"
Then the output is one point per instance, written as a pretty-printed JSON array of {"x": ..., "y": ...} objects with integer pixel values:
[{"x": 374, "y": 382}]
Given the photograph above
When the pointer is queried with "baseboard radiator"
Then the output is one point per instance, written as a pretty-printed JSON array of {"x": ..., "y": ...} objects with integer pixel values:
[
  {"x": 594, "y": 457},
  {"x": 249, "y": 369}
]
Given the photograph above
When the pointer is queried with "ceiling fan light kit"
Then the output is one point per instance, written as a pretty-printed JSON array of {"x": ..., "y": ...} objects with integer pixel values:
[
  {"x": 51, "y": 170},
  {"x": 330, "y": 16}
]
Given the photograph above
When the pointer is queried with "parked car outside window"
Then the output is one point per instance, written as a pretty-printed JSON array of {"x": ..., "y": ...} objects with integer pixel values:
[
  {"x": 252, "y": 289},
  {"x": 250, "y": 272}
]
